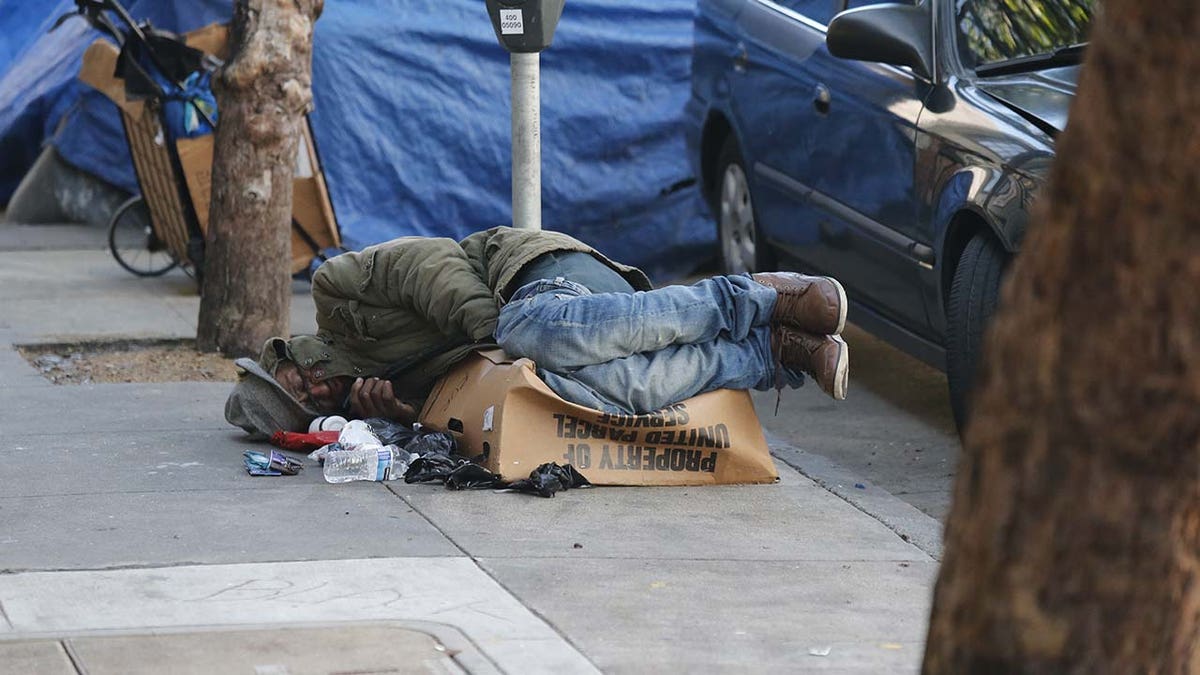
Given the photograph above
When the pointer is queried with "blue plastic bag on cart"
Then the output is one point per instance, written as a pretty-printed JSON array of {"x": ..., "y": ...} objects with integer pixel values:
[
  {"x": 190, "y": 109},
  {"x": 166, "y": 69}
]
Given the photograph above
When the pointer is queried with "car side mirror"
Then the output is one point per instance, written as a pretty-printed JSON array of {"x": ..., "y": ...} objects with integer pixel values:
[{"x": 893, "y": 33}]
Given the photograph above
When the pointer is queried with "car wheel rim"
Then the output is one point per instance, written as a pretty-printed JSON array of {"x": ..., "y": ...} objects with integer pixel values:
[{"x": 737, "y": 222}]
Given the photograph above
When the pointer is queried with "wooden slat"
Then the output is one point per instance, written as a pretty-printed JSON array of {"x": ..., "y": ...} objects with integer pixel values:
[{"x": 159, "y": 184}]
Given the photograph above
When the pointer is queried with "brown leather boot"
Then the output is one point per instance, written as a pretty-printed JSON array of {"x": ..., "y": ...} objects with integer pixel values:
[
  {"x": 825, "y": 357},
  {"x": 813, "y": 304}
]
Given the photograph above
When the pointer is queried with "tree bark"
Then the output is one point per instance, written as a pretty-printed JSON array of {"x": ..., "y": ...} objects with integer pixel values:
[
  {"x": 263, "y": 93},
  {"x": 1073, "y": 543}
]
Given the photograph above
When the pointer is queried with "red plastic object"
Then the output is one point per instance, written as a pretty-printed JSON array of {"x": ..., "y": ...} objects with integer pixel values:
[{"x": 291, "y": 440}]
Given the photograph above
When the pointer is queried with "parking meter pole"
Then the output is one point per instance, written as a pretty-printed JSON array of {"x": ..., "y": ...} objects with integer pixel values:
[
  {"x": 525, "y": 28},
  {"x": 526, "y": 141}
]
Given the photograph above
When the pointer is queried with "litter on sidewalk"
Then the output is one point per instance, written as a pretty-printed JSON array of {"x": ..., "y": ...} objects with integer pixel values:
[
  {"x": 273, "y": 464},
  {"x": 487, "y": 434},
  {"x": 549, "y": 478},
  {"x": 371, "y": 450}
]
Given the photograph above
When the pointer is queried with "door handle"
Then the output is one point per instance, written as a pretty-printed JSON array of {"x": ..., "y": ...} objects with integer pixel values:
[
  {"x": 741, "y": 58},
  {"x": 822, "y": 99}
]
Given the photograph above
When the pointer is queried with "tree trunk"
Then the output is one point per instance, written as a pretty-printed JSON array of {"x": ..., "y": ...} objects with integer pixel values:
[
  {"x": 1073, "y": 544},
  {"x": 263, "y": 93}
]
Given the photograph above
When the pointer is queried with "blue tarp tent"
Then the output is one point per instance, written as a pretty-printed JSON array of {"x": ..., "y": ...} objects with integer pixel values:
[{"x": 412, "y": 118}]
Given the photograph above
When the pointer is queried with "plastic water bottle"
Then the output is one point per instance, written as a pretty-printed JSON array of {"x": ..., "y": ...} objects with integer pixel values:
[
  {"x": 365, "y": 462},
  {"x": 359, "y": 455}
]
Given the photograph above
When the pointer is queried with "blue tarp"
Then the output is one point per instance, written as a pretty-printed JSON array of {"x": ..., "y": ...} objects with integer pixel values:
[{"x": 412, "y": 118}]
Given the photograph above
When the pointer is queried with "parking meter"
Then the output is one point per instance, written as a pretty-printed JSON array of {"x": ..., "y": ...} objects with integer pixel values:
[{"x": 525, "y": 28}]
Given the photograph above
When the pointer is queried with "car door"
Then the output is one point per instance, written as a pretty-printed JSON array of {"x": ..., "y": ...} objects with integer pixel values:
[
  {"x": 771, "y": 88},
  {"x": 834, "y": 174}
]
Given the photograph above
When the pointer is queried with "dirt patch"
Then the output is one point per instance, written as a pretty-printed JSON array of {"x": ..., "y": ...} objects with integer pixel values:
[{"x": 127, "y": 361}]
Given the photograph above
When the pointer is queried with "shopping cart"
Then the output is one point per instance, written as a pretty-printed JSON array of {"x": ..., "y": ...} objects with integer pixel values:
[{"x": 159, "y": 82}]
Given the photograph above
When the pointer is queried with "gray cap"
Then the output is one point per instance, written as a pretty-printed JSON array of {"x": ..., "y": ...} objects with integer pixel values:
[{"x": 261, "y": 406}]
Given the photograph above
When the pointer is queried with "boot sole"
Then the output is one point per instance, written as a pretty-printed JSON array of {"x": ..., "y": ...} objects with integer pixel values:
[
  {"x": 842, "y": 306},
  {"x": 841, "y": 375}
]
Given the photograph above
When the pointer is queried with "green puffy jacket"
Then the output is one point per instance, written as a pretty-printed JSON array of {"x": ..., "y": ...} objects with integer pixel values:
[{"x": 410, "y": 308}]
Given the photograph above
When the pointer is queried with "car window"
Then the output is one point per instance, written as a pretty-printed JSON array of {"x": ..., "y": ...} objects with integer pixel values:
[
  {"x": 820, "y": 11},
  {"x": 993, "y": 31}
]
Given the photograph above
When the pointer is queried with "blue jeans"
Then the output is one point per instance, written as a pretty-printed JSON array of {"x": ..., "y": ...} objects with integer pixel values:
[{"x": 639, "y": 352}]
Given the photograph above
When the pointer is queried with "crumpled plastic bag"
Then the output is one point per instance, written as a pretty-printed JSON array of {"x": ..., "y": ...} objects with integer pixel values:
[
  {"x": 472, "y": 477},
  {"x": 435, "y": 460},
  {"x": 550, "y": 478},
  {"x": 393, "y": 433},
  {"x": 432, "y": 443}
]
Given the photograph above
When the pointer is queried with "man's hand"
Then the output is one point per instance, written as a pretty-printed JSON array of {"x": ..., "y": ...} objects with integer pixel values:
[{"x": 373, "y": 397}]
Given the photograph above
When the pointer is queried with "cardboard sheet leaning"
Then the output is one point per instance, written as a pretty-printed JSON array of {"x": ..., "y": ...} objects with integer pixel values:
[{"x": 499, "y": 410}]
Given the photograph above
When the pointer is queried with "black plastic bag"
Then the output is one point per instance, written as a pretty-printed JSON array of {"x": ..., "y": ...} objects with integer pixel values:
[
  {"x": 435, "y": 461},
  {"x": 549, "y": 478},
  {"x": 435, "y": 443},
  {"x": 435, "y": 458},
  {"x": 472, "y": 477},
  {"x": 391, "y": 433},
  {"x": 432, "y": 467}
]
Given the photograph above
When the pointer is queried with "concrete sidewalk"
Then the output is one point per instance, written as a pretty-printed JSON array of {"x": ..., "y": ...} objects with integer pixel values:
[{"x": 132, "y": 539}]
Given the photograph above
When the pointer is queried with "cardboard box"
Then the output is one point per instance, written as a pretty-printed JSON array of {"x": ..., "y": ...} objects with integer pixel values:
[
  {"x": 499, "y": 410},
  {"x": 171, "y": 204}
]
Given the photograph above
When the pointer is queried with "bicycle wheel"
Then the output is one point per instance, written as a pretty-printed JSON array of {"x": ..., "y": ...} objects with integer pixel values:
[{"x": 133, "y": 243}]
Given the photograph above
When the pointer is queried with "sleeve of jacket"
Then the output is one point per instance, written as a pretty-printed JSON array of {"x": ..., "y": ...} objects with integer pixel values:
[{"x": 431, "y": 278}]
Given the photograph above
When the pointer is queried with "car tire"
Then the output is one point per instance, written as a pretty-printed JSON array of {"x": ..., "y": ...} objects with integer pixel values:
[
  {"x": 973, "y": 294},
  {"x": 741, "y": 245}
]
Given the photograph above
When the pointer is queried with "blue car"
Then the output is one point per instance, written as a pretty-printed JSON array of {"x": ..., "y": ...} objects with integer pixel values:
[{"x": 897, "y": 147}]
